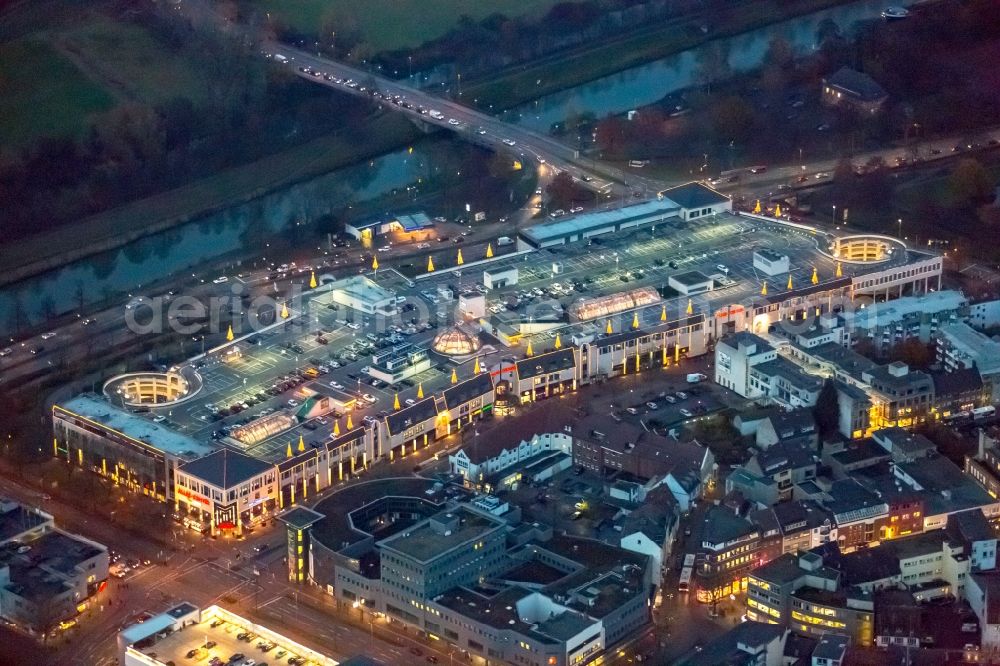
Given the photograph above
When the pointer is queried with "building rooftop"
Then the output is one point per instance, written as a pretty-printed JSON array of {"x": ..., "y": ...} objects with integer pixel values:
[
  {"x": 691, "y": 278},
  {"x": 832, "y": 646},
  {"x": 722, "y": 525},
  {"x": 399, "y": 422},
  {"x": 729, "y": 649},
  {"x": 783, "y": 456},
  {"x": 465, "y": 391},
  {"x": 846, "y": 360},
  {"x": 300, "y": 517},
  {"x": 547, "y": 363},
  {"x": 37, "y": 567},
  {"x": 135, "y": 427},
  {"x": 505, "y": 433},
  {"x": 864, "y": 450},
  {"x": 634, "y": 215},
  {"x": 16, "y": 519},
  {"x": 790, "y": 372},
  {"x": 880, "y": 315},
  {"x": 694, "y": 195},
  {"x": 957, "y": 382},
  {"x": 362, "y": 289},
  {"x": 857, "y": 83},
  {"x": 423, "y": 541},
  {"x": 747, "y": 339},
  {"x": 226, "y": 468}
]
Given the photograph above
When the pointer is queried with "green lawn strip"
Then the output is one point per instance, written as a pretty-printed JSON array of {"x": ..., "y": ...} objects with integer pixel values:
[{"x": 43, "y": 94}]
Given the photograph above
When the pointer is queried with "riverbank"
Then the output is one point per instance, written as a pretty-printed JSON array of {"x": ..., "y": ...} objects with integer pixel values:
[
  {"x": 576, "y": 67},
  {"x": 119, "y": 227}
]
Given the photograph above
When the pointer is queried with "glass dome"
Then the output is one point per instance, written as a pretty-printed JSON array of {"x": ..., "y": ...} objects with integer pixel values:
[{"x": 455, "y": 342}]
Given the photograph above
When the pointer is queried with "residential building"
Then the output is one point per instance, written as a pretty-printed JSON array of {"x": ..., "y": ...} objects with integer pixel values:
[
  {"x": 748, "y": 643},
  {"x": 961, "y": 346},
  {"x": 735, "y": 355},
  {"x": 46, "y": 575},
  {"x": 961, "y": 390},
  {"x": 983, "y": 594},
  {"x": 800, "y": 592},
  {"x": 910, "y": 317},
  {"x": 729, "y": 551},
  {"x": 855, "y": 90},
  {"x": 786, "y": 463},
  {"x": 901, "y": 396},
  {"x": 902, "y": 445},
  {"x": 797, "y": 425},
  {"x": 541, "y": 376}
]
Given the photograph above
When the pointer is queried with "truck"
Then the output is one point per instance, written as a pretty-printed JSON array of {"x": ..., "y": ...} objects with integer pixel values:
[
  {"x": 436, "y": 115},
  {"x": 695, "y": 377},
  {"x": 280, "y": 58},
  {"x": 505, "y": 240}
]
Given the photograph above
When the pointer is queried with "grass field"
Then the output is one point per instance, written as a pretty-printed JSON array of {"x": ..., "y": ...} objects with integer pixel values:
[
  {"x": 129, "y": 59},
  {"x": 394, "y": 24},
  {"x": 43, "y": 94}
]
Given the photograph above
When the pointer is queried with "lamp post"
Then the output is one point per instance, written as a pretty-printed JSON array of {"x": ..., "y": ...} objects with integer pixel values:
[{"x": 835, "y": 213}]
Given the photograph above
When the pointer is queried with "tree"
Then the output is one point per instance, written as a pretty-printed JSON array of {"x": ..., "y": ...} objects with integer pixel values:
[
  {"x": 611, "y": 135},
  {"x": 914, "y": 353},
  {"x": 827, "y": 412},
  {"x": 970, "y": 183},
  {"x": 733, "y": 119},
  {"x": 562, "y": 190}
]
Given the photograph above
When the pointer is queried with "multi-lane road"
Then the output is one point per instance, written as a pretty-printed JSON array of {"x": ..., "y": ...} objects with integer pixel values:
[{"x": 475, "y": 126}]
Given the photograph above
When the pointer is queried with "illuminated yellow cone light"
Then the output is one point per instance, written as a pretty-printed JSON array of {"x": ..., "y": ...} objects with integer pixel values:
[
  {"x": 420, "y": 390},
  {"x": 477, "y": 369},
  {"x": 756, "y": 208},
  {"x": 374, "y": 263},
  {"x": 840, "y": 272},
  {"x": 288, "y": 453},
  {"x": 336, "y": 428},
  {"x": 763, "y": 289},
  {"x": 690, "y": 308},
  {"x": 430, "y": 264},
  {"x": 663, "y": 313},
  {"x": 312, "y": 281},
  {"x": 350, "y": 424},
  {"x": 395, "y": 402},
  {"x": 635, "y": 320},
  {"x": 460, "y": 261},
  {"x": 229, "y": 333},
  {"x": 609, "y": 330},
  {"x": 558, "y": 342},
  {"x": 815, "y": 277},
  {"x": 454, "y": 376},
  {"x": 777, "y": 210},
  {"x": 284, "y": 310},
  {"x": 302, "y": 444},
  {"x": 529, "y": 351},
  {"x": 790, "y": 281},
  {"x": 489, "y": 251}
]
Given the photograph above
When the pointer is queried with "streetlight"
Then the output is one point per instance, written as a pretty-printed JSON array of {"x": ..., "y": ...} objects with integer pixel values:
[
  {"x": 899, "y": 222},
  {"x": 835, "y": 213}
]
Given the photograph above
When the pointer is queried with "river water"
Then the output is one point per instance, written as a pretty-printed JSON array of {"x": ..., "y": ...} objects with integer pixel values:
[
  {"x": 648, "y": 83},
  {"x": 155, "y": 257}
]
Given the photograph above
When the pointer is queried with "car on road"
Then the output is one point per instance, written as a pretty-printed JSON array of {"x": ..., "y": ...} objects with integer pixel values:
[
  {"x": 159, "y": 418},
  {"x": 453, "y": 121},
  {"x": 686, "y": 413},
  {"x": 481, "y": 131},
  {"x": 49, "y": 335},
  {"x": 671, "y": 399},
  {"x": 37, "y": 350},
  {"x": 369, "y": 398},
  {"x": 632, "y": 410},
  {"x": 510, "y": 142},
  {"x": 6, "y": 352},
  {"x": 577, "y": 209},
  {"x": 220, "y": 279},
  {"x": 682, "y": 395},
  {"x": 353, "y": 325},
  {"x": 293, "y": 403},
  {"x": 652, "y": 405}
]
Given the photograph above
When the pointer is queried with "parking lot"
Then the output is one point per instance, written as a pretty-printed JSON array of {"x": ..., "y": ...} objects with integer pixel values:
[
  {"x": 331, "y": 345},
  {"x": 217, "y": 641}
]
